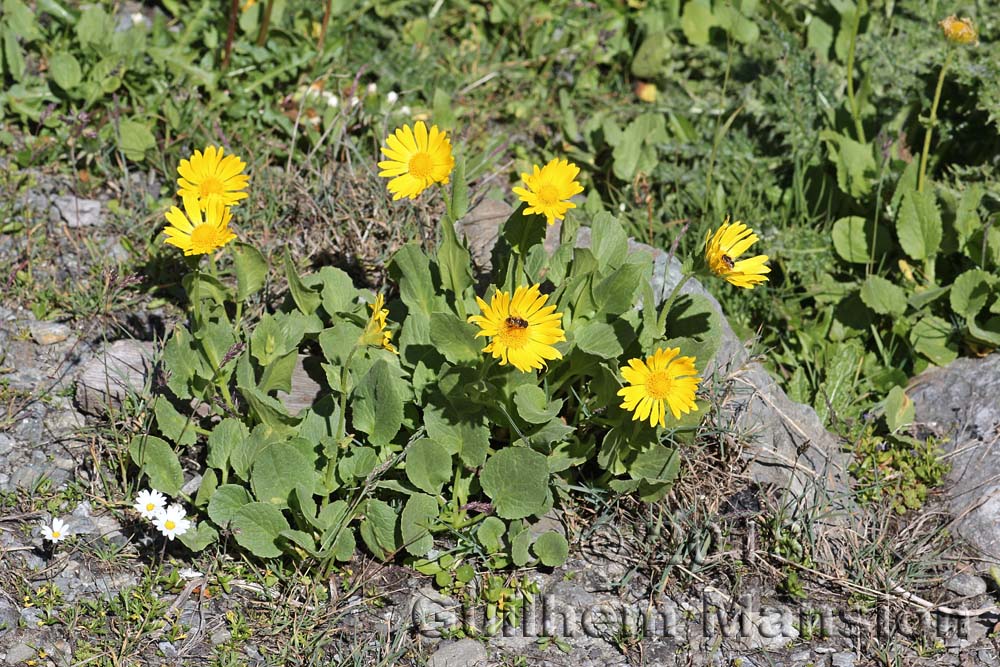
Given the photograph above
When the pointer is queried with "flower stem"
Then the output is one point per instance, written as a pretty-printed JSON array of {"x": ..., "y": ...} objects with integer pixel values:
[
  {"x": 855, "y": 112},
  {"x": 932, "y": 121},
  {"x": 668, "y": 304}
]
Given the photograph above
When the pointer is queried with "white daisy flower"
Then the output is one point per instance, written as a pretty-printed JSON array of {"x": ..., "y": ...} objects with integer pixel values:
[
  {"x": 372, "y": 88},
  {"x": 189, "y": 573},
  {"x": 331, "y": 99},
  {"x": 171, "y": 521},
  {"x": 149, "y": 502},
  {"x": 56, "y": 531},
  {"x": 392, "y": 96}
]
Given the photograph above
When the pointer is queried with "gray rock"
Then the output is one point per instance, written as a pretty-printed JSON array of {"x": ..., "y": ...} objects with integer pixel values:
[
  {"x": 9, "y": 617},
  {"x": 430, "y": 613},
  {"x": 49, "y": 333},
  {"x": 966, "y": 585},
  {"x": 121, "y": 368},
  {"x": 961, "y": 404},
  {"x": 167, "y": 649},
  {"x": 842, "y": 659},
  {"x": 220, "y": 637},
  {"x": 6, "y": 444},
  {"x": 787, "y": 445},
  {"x": 79, "y": 212},
  {"x": 463, "y": 653},
  {"x": 19, "y": 653}
]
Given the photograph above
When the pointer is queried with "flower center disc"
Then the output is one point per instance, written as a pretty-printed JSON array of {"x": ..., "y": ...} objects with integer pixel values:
[
  {"x": 420, "y": 165},
  {"x": 150, "y": 507},
  {"x": 211, "y": 186},
  {"x": 513, "y": 336},
  {"x": 169, "y": 525},
  {"x": 204, "y": 238},
  {"x": 56, "y": 534},
  {"x": 548, "y": 194},
  {"x": 659, "y": 384}
]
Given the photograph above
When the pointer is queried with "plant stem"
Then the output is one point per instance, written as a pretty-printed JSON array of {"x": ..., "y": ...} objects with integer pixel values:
[
  {"x": 668, "y": 304},
  {"x": 265, "y": 23},
  {"x": 932, "y": 121},
  {"x": 855, "y": 113},
  {"x": 234, "y": 9},
  {"x": 328, "y": 7}
]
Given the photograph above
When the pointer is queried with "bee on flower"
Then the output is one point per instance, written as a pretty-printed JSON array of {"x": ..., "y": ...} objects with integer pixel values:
[
  {"x": 522, "y": 329},
  {"x": 722, "y": 255}
]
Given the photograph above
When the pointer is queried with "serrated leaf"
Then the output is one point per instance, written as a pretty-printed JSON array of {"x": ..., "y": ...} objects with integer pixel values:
[
  {"x": 516, "y": 479},
  {"x": 883, "y": 296},
  {"x": 919, "y": 225}
]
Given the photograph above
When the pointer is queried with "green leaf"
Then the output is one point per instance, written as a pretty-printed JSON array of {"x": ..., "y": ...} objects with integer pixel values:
[
  {"x": 459, "y": 191},
  {"x": 883, "y": 296},
  {"x": 551, "y": 548},
  {"x": 970, "y": 292},
  {"x": 819, "y": 38},
  {"x": 378, "y": 528},
  {"x": 931, "y": 337},
  {"x": 268, "y": 410},
  {"x": 855, "y": 163},
  {"x": 410, "y": 267},
  {"x": 516, "y": 479},
  {"x": 490, "y": 534},
  {"x": 520, "y": 542},
  {"x": 258, "y": 528},
  {"x": 225, "y": 438},
  {"x": 852, "y": 238},
  {"x": 277, "y": 470},
  {"x": 338, "y": 291},
  {"x": 608, "y": 241},
  {"x": 157, "y": 461},
  {"x": 658, "y": 463},
  {"x": 94, "y": 26},
  {"x": 134, "y": 139},
  {"x": 651, "y": 55},
  {"x": 598, "y": 338},
  {"x": 199, "y": 537},
  {"x": 967, "y": 221},
  {"x": 13, "y": 56},
  {"x": 209, "y": 483},
  {"x": 226, "y": 501},
  {"x": 469, "y": 436},
  {"x": 696, "y": 20},
  {"x": 533, "y": 406},
  {"x": 65, "y": 70},
  {"x": 899, "y": 410},
  {"x": 419, "y": 514},
  {"x": 918, "y": 225},
  {"x": 173, "y": 425},
  {"x": 455, "y": 338},
  {"x": 988, "y": 333},
  {"x": 428, "y": 465},
  {"x": 250, "y": 268},
  {"x": 378, "y": 403},
  {"x": 275, "y": 336},
  {"x": 307, "y": 299},
  {"x": 616, "y": 293},
  {"x": 21, "y": 20}
]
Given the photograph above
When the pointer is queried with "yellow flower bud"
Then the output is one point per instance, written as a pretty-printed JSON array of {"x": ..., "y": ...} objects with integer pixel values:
[{"x": 959, "y": 31}]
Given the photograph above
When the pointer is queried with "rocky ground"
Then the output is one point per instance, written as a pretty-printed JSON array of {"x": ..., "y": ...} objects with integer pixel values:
[{"x": 694, "y": 580}]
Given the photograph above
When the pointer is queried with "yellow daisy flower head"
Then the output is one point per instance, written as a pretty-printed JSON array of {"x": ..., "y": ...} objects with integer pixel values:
[
  {"x": 416, "y": 160},
  {"x": 724, "y": 247},
  {"x": 375, "y": 333},
  {"x": 198, "y": 232},
  {"x": 209, "y": 176},
  {"x": 522, "y": 329},
  {"x": 663, "y": 380},
  {"x": 959, "y": 31},
  {"x": 549, "y": 189}
]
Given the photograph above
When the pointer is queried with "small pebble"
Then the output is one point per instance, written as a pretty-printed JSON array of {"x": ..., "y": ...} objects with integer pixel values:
[{"x": 49, "y": 333}]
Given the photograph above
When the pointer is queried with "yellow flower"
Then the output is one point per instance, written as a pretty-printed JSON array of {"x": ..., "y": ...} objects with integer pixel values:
[
  {"x": 197, "y": 235},
  {"x": 723, "y": 249},
  {"x": 375, "y": 333},
  {"x": 417, "y": 160},
  {"x": 959, "y": 31},
  {"x": 522, "y": 329},
  {"x": 211, "y": 176},
  {"x": 550, "y": 188},
  {"x": 663, "y": 380}
]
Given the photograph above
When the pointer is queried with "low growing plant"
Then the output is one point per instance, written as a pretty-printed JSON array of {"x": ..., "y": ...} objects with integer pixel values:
[{"x": 453, "y": 409}]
